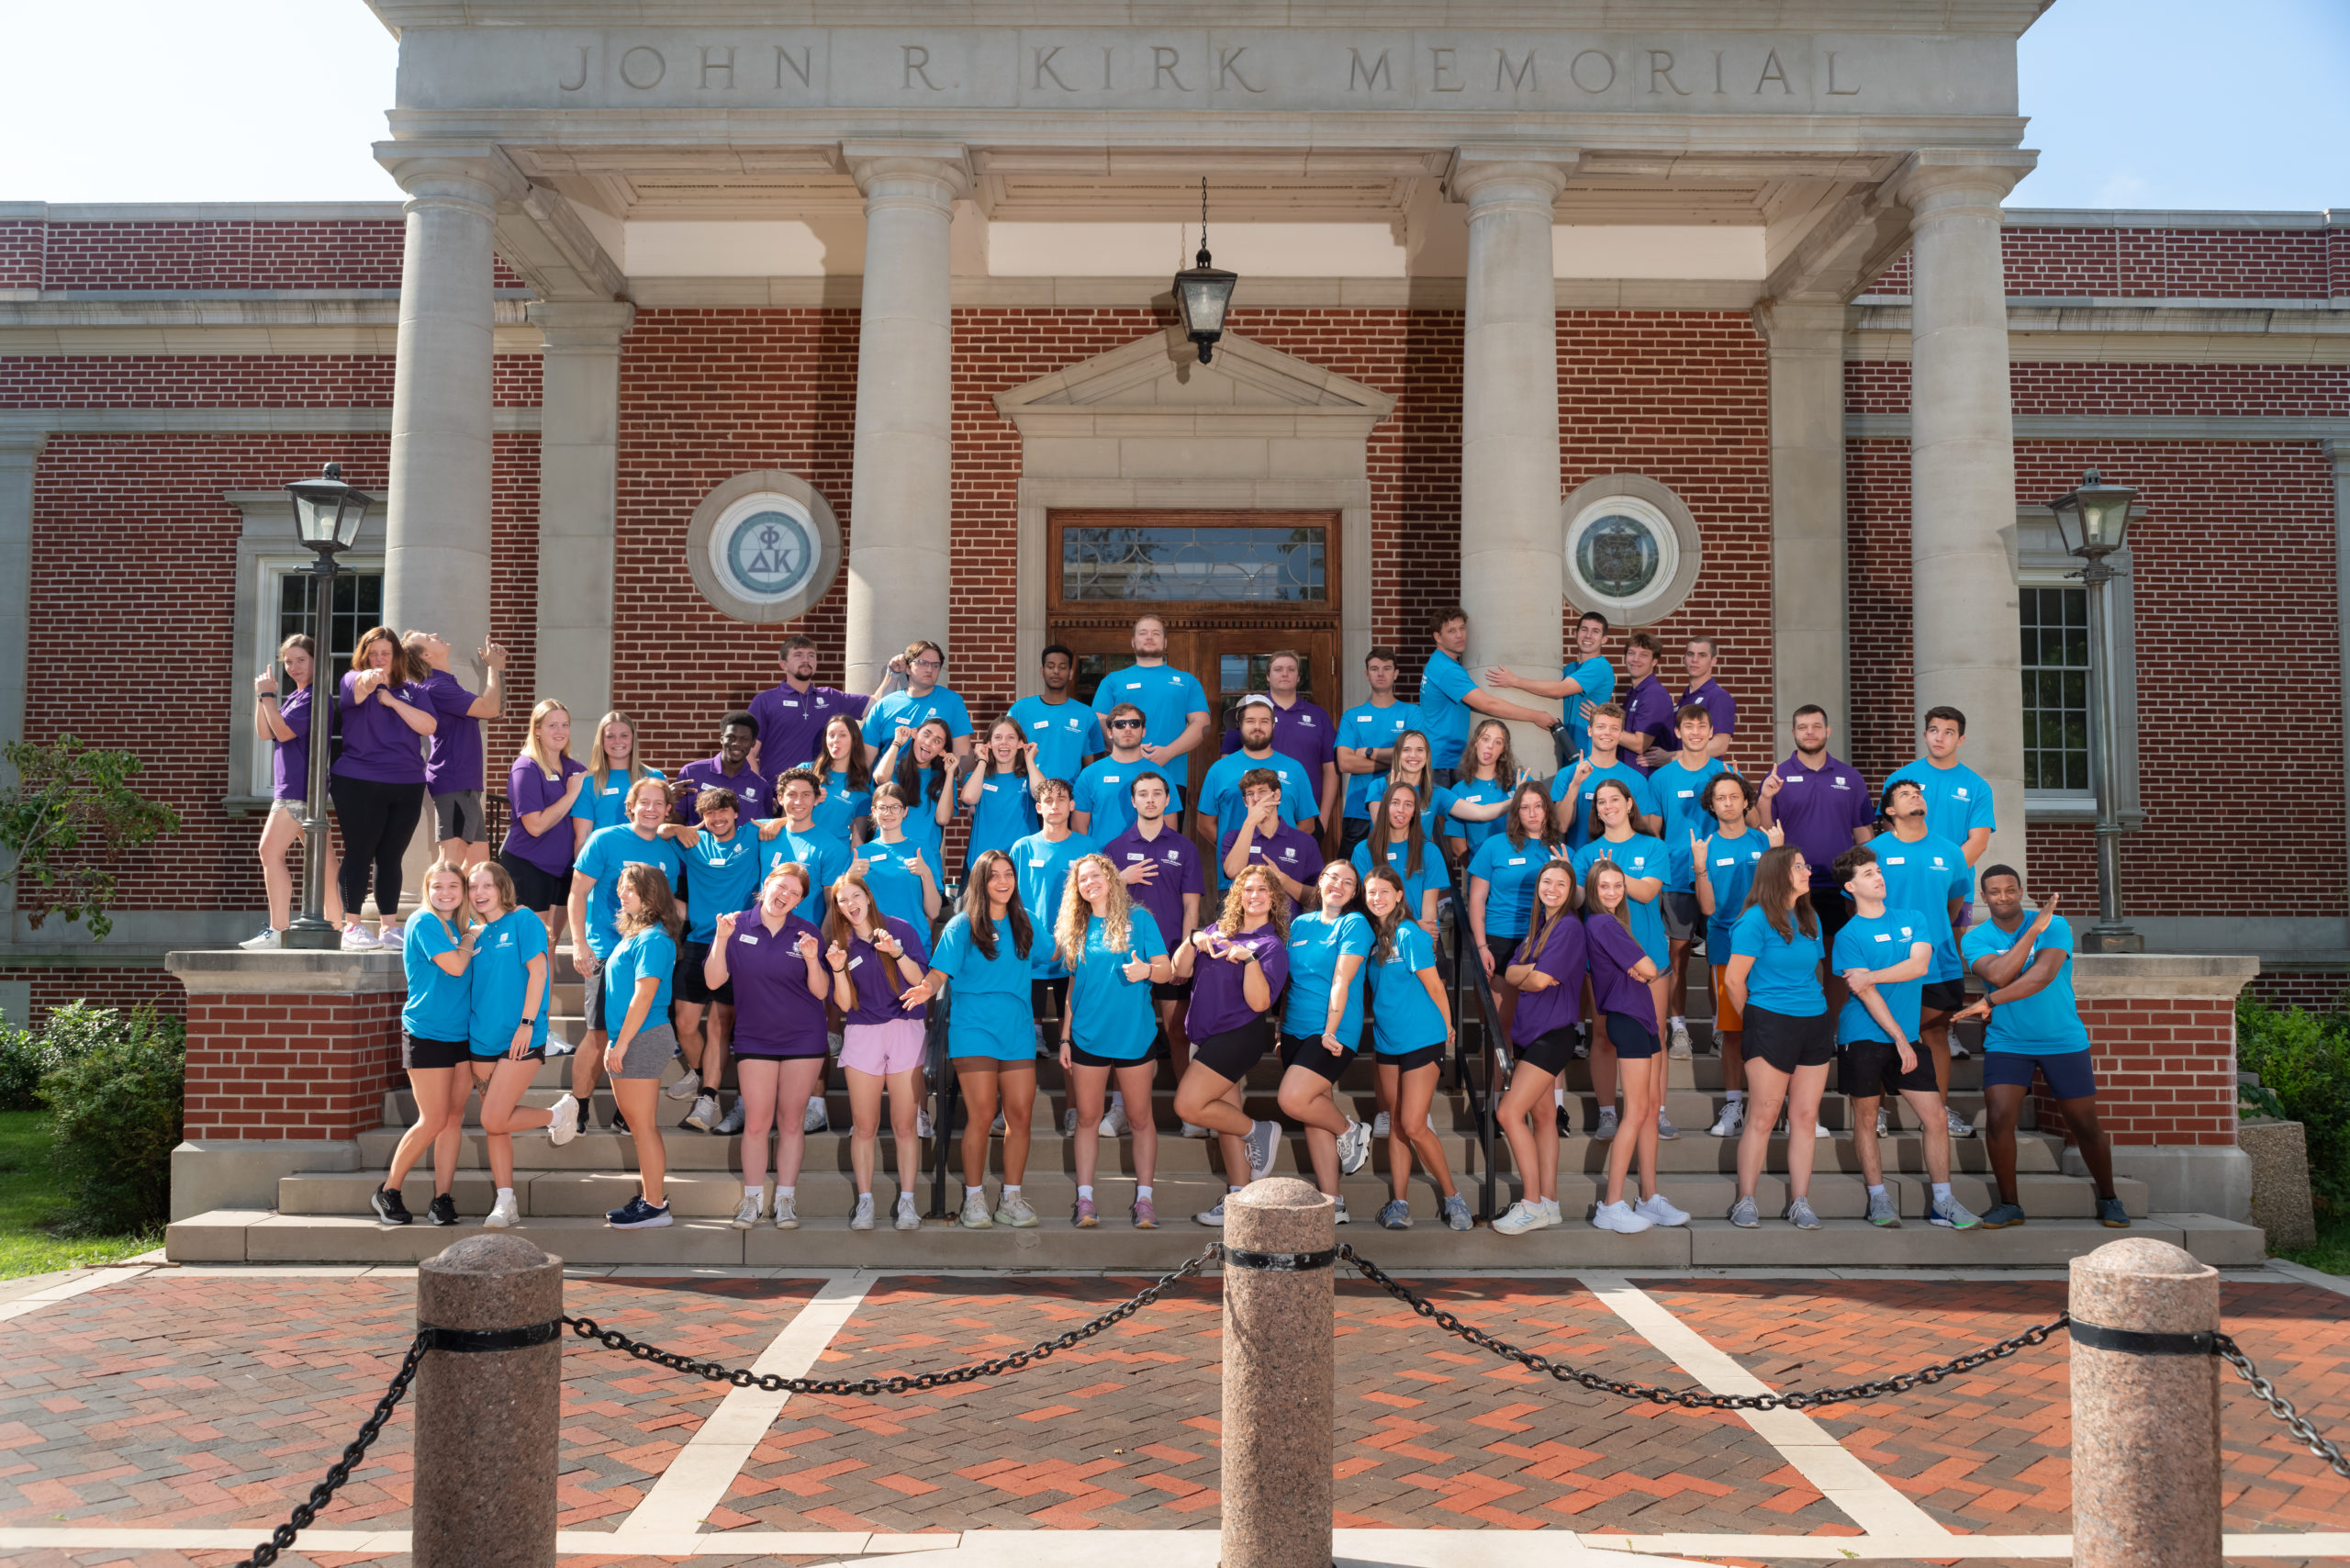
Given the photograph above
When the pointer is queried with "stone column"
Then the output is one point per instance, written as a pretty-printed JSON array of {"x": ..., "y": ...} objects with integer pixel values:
[
  {"x": 1962, "y": 469},
  {"x": 2337, "y": 455},
  {"x": 1279, "y": 1393},
  {"x": 2146, "y": 1452},
  {"x": 1513, "y": 570},
  {"x": 488, "y": 1421},
  {"x": 899, "y": 547},
  {"x": 1808, "y": 621},
  {"x": 578, "y": 461}
]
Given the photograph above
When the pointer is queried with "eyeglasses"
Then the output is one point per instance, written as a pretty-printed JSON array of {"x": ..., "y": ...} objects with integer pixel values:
[{"x": 926, "y": 664}]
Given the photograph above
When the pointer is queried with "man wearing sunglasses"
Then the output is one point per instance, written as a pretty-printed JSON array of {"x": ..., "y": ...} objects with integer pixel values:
[{"x": 1102, "y": 801}]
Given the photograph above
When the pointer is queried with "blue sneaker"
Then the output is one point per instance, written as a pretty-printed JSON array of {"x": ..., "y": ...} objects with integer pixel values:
[
  {"x": 637, "y": 1215},
  {"x": 2112, "y": 1215}
]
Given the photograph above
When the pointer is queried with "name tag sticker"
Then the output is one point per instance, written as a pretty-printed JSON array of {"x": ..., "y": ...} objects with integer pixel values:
[{"x": 748, "y": 941}]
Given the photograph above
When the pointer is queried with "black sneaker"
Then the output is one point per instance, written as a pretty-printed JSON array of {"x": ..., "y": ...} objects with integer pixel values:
[
  {"x": 1566, "y": 1123},
  {"x": 388, "y": 1206},
  {"x": 444, "y": 1210},
  {"x": 585, "y": 1125},
  {"x": 620, "y": 1123},
  {"x": 636, "y": 1214}
]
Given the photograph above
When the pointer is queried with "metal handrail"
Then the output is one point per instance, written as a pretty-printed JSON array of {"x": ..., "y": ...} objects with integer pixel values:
[
  {"x": 1466, "y": 962},
  {"x": 950, "y": 1100}
]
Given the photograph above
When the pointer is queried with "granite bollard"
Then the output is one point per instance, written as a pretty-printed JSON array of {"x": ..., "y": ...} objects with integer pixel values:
[
  {"x": 487, "y": 1419},
  {"x": 1279, "y": 1238},
  {"x": 2145, "y": 1408}
]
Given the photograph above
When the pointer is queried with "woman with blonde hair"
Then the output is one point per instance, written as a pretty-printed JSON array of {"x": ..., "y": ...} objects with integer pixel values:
[
  {"x": 542, "y": 788},
  {"x": 1548, "y": 970},
  {"x": 379, "y": 779},
  {"x": 1238, "y": 967},
  {"x": 877, "y": 961},
  {"x": 437, "y": 952},
  {"x": 506, "y": 1034},
  {"x": 604, "y": 799},
  {"x": 774, "y": 957},
  {"x": 284, "y": 722},
  {"x": 1622, "y": 971},
  {"x": 1115, "y": 952},
  {"x": 636, "y": 979}
]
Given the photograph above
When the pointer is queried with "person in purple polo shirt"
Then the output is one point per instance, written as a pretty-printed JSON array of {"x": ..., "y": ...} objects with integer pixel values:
[
  {"x": 541, "y": 789},
  {"x": 452, "y": 762},
  {"x": 1822, "y": 803},
  {"x": 1302, "y": 732},
  {"x": 792, "y": 714},
  {"x": 730, "y": 769},
  {"x": 379, "y": 779},
  {"x": 1648, "y": 706},
  {"x": 285, "y": 723},
  {"x": 1161, "y": 870},
  {"x": 1262, "y": 838},
  {"x": 1699, "y": 658}
]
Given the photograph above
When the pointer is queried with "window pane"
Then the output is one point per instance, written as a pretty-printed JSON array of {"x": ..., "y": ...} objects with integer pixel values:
[
  {"x": 1276, "y": 565},
  {"x": 2055, "y": 647},
  {"x": 358, "y": 605}
]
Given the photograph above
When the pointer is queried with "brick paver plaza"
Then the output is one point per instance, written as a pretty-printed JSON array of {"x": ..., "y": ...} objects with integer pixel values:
[{"x": 184, "y": 1400}]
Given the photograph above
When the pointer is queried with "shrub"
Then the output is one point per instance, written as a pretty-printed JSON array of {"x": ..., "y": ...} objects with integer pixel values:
[
  {"x": 2303, "y": 1058},
  {"x": 24, "y": 1057},
  {"x": 114, "y": 1094}
]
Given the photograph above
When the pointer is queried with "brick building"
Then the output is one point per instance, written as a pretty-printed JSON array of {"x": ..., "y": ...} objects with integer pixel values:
[{"x": 912, "y": 290}]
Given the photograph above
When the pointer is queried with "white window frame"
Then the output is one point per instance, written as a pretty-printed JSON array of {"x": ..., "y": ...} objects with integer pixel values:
[{"x": 2041, "y": 561}]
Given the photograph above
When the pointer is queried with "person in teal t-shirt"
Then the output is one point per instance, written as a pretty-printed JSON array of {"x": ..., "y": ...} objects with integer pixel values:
[
  {"x": 437, "y": 952},
  {"x": 506, "y": 1032},
  {"x": 2033, "y": 1025},
  {"x": 1722, "y": 869},
  {"x": 1790, "y": 1036},
  {"x": 1000, "y": 793},
  {"x": 636, "y": 978},
  {"x": 1412, "y": 1034},
  {"x": 1322, "y": 1022},
  {"x": 1115, "y": 952},
  {"x": 1174, "y": 709},
  {"x": 987, "y": 953}
]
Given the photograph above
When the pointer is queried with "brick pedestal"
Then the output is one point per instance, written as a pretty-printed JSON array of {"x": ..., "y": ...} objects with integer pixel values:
[{"x": 288, "y": 1057}]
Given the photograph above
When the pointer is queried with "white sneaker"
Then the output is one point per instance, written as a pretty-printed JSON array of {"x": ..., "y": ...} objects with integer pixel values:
[
  {"x": 390, "y": 937},
  {"x": 1959, "y": 1125},
  {"x": 1263, "y": 1142},
  {"x": 1193, "y": 1129},
  {"x": 356, "y": 940},
  {"x": 1522, "y": 1217},
  {"x": 787, "y": 1212},
  {"x": 1213, "y": 1217},
  {"x": 1606, "y": 1128},
  {"x": 1114, "y": 1120},
  {"x": 1679, "y": 1047},
  {"x": 1733, "y": 1117},
  {"x": 1551, "y": 1210},
  {"x": 746, "y": 1213},
  {"x": 1659, "y": 1210},
  {"x": 1958, "y": 1051},
  {"x": 1341, "y": 1217},
  {"x": 686, "y": 1087},
  {"x": 503, "y": 1213},
  {"x": 1069, "y": 1122},
  {"x": 975, "y": 1212},
  {"x": 861, "y": 1217},
  {"x": 269, "y": 940},
  {"x": 815, "y": 1119},
  {"x": 1882, "y": 1130},
  {"x": 732, "y": 1122},
  {"x": 921, "y": 1123},
  {"x": 1820, "y": 1130},
  {"x": 565, "y": 1126},
  {"x": 703, "y": 1118},
  {"x": 1382, "y": 1126},
  {"x": 907, "y": 1219},
  {"x": 1621, "y": 1218},
  {"x": 1354, "y": 1146}
]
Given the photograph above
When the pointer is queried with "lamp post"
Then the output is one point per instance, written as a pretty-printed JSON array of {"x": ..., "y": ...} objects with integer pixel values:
[
  {"x": 1203, "y": 291},
  {"x": 2095, "y": 521},
  {"x": 327, "y": 514}
]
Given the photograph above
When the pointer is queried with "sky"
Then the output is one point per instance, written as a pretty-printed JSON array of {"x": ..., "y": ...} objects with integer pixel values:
[{"x": 283, "y": 102}]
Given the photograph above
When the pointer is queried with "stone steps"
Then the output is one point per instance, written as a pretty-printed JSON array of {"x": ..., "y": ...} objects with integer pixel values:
[{"x": 260, "y": 1236}]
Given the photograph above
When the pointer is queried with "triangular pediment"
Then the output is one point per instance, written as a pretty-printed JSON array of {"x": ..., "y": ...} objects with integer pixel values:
[{"x": 1161, "y": 374}]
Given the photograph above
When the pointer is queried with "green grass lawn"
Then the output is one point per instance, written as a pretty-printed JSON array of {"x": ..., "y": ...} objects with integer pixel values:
[
  {"x": 2330, "y": 1252},
  {"x": 30, "y": 1202}
]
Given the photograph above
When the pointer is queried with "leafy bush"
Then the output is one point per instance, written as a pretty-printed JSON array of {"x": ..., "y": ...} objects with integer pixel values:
[
  {"x": 2303, "y": 1058},
  {"x": 114, "y": 1094},
  {"x": 24, "y": 1057}
]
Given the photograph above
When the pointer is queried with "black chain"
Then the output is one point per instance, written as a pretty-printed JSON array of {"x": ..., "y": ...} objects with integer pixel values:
[
  {"x": 339, "y": 1471},
  {"x": 2278, "y": 1405},
  {"x": 1690, "y": 1398},
  {"x": 775, "y": 1382}
]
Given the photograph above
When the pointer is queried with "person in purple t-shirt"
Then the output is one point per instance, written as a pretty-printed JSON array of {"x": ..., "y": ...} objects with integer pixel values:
[
  {"x": 792, "y": 714},
  {"x": 1262, "y": 838},
  {"x": 378, "y": 779},
  {"x": 1699, "y": 658},
  {"x": 541, "y": 789},
  {"x": 453, "y": 764},
  {"x": 1303, "y": 732},
  {"x": 1237, "y": 967},
  {"x": 1161, "y": 870},
  {"x": 1648, "y": 706},
  {"x": 1822, "y": 804},
  {"x": 1548, "y": 971},
  {"x": 730, "y": 769},
  {"x": 285, "y": 722}
]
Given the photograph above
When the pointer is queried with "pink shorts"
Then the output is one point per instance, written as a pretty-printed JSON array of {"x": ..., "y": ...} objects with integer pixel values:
[{"x": 883, "y": 1049}]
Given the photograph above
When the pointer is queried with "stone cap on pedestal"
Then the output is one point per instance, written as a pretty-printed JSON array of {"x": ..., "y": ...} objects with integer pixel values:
[
  {"x": 2219, "y": 975},
  {"x": 281, "y": 972}
]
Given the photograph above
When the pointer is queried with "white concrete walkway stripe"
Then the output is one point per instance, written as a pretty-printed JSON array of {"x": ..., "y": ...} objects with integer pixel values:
[
  {"x": 1867, "y": 1498},
  {"x": 66, "y": 1290},
  {"x": 698, "y": 1478}
]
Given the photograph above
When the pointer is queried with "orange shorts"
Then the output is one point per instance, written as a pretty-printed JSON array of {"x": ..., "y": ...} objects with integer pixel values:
[{"x": 1726, "y": 1014}]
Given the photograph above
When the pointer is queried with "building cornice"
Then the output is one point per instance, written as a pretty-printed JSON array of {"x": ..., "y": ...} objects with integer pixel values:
[{"x": 2130, "y": 427}]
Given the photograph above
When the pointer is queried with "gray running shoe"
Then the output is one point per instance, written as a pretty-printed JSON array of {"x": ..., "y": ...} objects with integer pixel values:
[
  {"x": 1744, "y": 1215},
  {"x": 732, "y": 1123},
  {"x": 1883, "y": 1213},
  {"x": 861, "y": 1217},
  {"x": 1263, "y": 1142},
  {"x": 1396, "y": 1214},
  {"x": 1799, "y": 1215},
  {"x": 1212, "y": 1218},
  {"x": 1456, "y": 1213},
  {"x": 1665, "y": 1131},
  {"x": 2112, "y": 1215},
  {"x": 1015, "y": 1211},
  {"x": 975, "y": 1213},
  {"x": 1999, "y": 1216},
  {"x": 1354, "y": 1146},
  {"x": 1952, "y": 1214}
]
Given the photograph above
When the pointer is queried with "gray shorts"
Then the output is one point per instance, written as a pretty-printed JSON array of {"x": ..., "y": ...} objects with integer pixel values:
[
  {"x": 458, "y": 816},
  {"x": 1682, "y": 917},
  {"x": 648, "y": 1054}
]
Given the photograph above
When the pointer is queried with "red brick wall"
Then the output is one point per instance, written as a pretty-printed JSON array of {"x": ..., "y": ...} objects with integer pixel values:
[
  {"x": 206, "y": 255},
  {"x": 2318, "y": 991},
  {"x": 120, "y": 986},
  {"x": 290, "y": 1066},
  {"x": 235, "y": 381},
  {"x": 2190, "y": 264},
  {"x": 2166, "y": 1070}
]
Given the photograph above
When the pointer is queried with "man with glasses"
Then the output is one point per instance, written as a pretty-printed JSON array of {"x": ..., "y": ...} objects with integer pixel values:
[
  {"x": 922, "y": 700},
  {"x": 1302, "y": 733},
  {"x": 1174, "y": 707},
  {"x": 1103, "y": 806}
]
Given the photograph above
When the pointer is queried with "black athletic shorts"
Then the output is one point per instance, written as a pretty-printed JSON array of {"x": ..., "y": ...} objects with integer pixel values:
[
  {"x": 1080, "y": 1057},
  {"x": 1504, "y": 949},
  {"x": 1172, "y": 990},
  {"x": 536, "y": 888},
  {"x": 423, "y": 1055},
  {"x": 1308, "y": 1052},
  {"x": 1054, "y": 990},
  {"x": 1550, "y": 1053},
  {"x": 1944, "y": 996},
  {"x": 687, "y": 984},
  {"x": 1870, "y": 1070},
  {"x": 1786, "y": 1042},
  {"x": 1233, "y": 1052},
  {"x": 1633, "y": 1040},
  {"x": 1834, "y": 910},
  {"x": 1405, "y": 1061}
]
